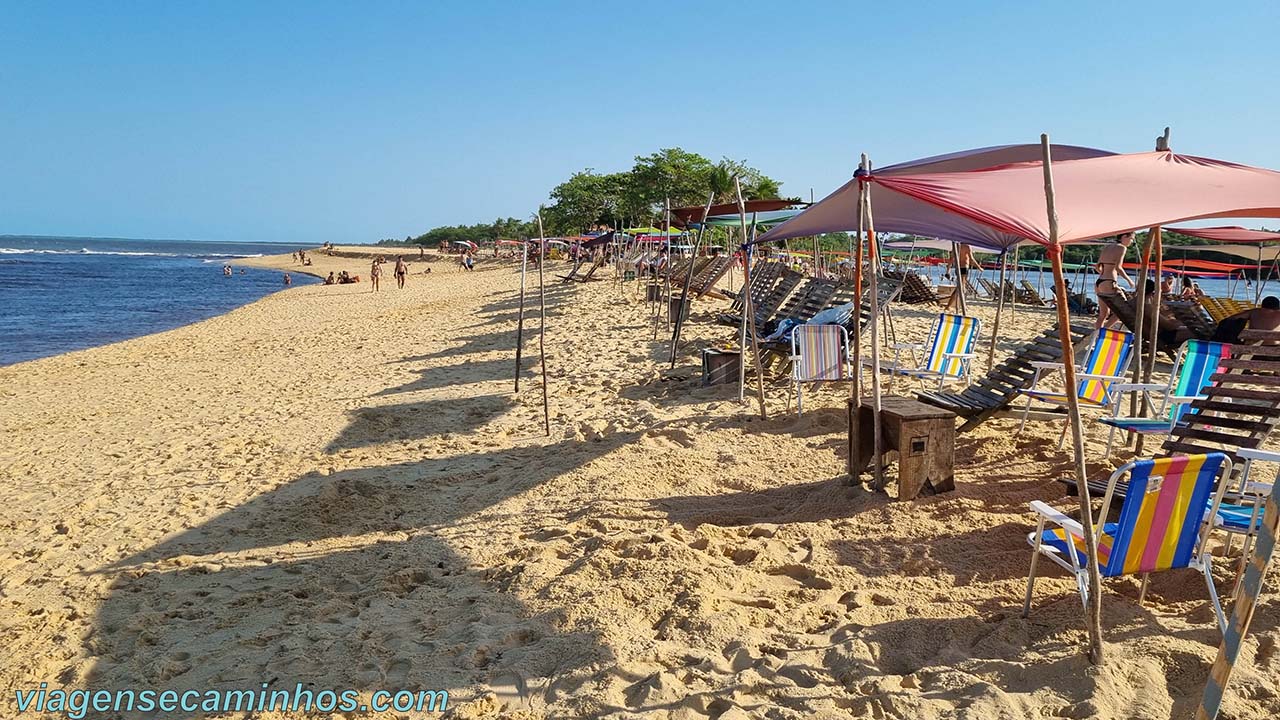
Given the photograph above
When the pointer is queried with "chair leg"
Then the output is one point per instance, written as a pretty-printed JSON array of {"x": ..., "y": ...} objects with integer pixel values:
[
  {"x": 1063, "y": 437},
  {"x": 1111, "y": 436},
  {"x": 1025, "y": 412},
  {"x": 1142, "y": 591},
  {"x": 1206, "y": 566},
  {"x": 1031, "y": 575}
]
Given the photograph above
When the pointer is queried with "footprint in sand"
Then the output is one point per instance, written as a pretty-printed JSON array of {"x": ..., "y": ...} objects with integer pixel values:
[{"x": 803, "y": 575}]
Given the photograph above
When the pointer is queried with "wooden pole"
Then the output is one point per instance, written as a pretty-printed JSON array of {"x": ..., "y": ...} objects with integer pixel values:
[
  {"x": 1242, "y": 613},
  {"x": 876, "y": 429},
  {"x": 524, "y": 265},
  {"x": 542, "y": 330},
  {"x": 1013, "y": 301},
  {"x": 1093, "y": 610},
  {"x": 1153, "y": 335},
  {"x": 1144, "y": 269},
  {"x": 688, "y": 280},
  {"x": 671, "y": 262},
  {"x": 855, "y": 390},
  {"x": 751, "y": 320},
  {"x": 995, "y": 331}
]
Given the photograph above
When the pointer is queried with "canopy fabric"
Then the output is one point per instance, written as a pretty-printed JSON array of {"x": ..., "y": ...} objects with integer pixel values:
[
  {"x": 1229, "y": 234},
  {"x": 1096, "y": 197},
  {"x": 763, "y": 219},
  {"x": 900, "y": 213},
  {"x": 1255, "y": 253},
  {"x": 1184, "y": 264},
  {"x": 930, "y": 244},
  {"x": 682, "y": 216}
]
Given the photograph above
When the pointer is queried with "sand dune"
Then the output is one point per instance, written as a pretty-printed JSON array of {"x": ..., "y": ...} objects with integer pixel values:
[{"x": 338, "y": 487}]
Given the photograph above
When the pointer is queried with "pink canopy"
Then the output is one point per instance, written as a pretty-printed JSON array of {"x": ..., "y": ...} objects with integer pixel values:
[
  {"x": 1095, "y": 197},
  {"x": 1230, "y": 234},
  {"x": 901, "y": 213}
]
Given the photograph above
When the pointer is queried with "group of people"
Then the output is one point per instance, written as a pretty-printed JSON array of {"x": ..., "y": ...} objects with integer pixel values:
[
  {"x": 1110, "y": 269},
  {"x": 342, "y": 278},
  {"x": 301, "y": 256},
  {"x": 401, "y": 272}
]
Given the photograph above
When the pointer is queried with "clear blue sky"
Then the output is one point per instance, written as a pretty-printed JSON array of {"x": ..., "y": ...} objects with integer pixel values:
[{"x": 314, "y": 121}]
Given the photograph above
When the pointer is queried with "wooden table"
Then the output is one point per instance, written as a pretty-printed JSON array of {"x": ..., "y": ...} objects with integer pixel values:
[{"x": 922, "y": 435}]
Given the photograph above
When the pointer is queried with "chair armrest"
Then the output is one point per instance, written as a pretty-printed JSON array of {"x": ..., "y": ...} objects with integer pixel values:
[
  {"x": 1263, "y": 455},
  {"x": 1044, "y": 365},
  {"x": 1136, "y": 387},
  {"x": 1053, "y": 515},
  {"x": 1184, "y": 399},
  {"x": 1092, "y": 376},
  {"x": 906, "y": 346},
  {"x": 960, "y": 355}
]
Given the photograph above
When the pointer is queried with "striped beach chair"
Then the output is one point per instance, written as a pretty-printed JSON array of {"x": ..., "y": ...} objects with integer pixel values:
[
  {"x": 819, "y": 353},
  {"x": 950, "y": 350},
  {"x": 1194, "y": 365},
  {"x": 1241, "y": 510},
  {"x": 1162, "y": 525},
  {"x": 1102, "y": 371}
]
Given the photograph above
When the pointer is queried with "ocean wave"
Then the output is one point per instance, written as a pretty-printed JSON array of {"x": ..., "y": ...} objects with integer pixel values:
[{"x": 126, "y": 253}]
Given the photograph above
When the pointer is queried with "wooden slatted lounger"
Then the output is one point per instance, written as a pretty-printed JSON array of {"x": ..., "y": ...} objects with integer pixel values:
[
  {"x": 705, "y": 281},
  {"x": 916, "y": 290},
  {"x": 764, "y": 275},
  {"x": 1124, "y": 309},
  {"x": 1219, "y": 308},
  {"x": 770, "y": 301},
  {"x": 1028, "y": 295},
  {"x": 1193, "y": 315},
  {"x": 992, "y": 393},
  {"x": 1239, "y": 409}
]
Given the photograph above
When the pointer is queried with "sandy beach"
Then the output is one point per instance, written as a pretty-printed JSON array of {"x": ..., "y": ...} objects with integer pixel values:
[{"x": 338, "y": 487}]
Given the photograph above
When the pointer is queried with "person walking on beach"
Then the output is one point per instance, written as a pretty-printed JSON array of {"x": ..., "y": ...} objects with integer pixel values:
[
  {"x": 375, "y": 274},
  {"x": 1109, "y": 270},
  {"x": 401, "y": 271},
  {"x": 961, "y": 257}
]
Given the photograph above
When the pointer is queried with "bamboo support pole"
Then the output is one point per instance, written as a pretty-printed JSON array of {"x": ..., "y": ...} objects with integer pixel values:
[
  {"x": 688, "y": 281},
  {"x": 542, "y": 332},
  {"x": 1093, "y": 607},
  {"x": 876, "y": 429},
  {"x": 524, "y": 265},
  {"x": 751, "y": 318}
]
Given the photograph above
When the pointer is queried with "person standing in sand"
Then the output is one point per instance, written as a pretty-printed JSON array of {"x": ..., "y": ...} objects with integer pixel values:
[
  {"x": 1109, "y": 269},
  {"x": 401, "y": 271},
  {"x": 375, "y": 274}
]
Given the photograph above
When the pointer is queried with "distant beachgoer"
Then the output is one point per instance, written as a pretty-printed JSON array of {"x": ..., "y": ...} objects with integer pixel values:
[
  {"x": 287, "y": 280},
  {"x": 401, "y": 271},
  {"x": 468, "y": 261},
  {"x": 1109, "y": 270},
  {"x": 961, "y": 257},
  {"x": 375, "y": 274},
  {"x": 1166, "y": 286},
  {"x": 331, "y": 279},
  {"x": 422, "y": 251},
  {"x": 242, "y": 271},
  {"x": 226, "y": 270}
]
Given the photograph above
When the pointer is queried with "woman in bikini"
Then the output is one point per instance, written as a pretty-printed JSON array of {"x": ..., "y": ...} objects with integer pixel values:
[{"x": 1108, "y": 268}]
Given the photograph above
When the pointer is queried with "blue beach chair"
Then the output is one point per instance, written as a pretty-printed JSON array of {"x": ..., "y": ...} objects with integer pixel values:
[{"x": 1195, "y": 364}]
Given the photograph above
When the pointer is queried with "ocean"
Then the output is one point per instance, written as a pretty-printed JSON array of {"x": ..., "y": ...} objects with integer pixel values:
[{"x": 61, "y": 294}]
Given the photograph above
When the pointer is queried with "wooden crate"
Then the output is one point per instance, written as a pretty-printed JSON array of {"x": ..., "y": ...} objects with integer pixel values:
[{"x": 924, "y": 439}]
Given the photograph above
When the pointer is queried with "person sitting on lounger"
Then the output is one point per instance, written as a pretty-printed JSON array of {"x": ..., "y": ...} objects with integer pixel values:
[
  {"x": 1265, "y": 317},
  {"x": 1169, "y": 331}
]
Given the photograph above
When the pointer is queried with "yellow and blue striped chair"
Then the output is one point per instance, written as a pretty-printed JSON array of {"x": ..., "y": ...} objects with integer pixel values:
[
  {"x": 819, "y": 353},
  {"x": 1162, "y": 525},
  {"x": 950, "y": 350},
  {"x": 1097, "y": 380}
]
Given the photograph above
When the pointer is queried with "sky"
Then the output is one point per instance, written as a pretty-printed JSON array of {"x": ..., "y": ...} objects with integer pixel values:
[{"x": 350, "y": 122}]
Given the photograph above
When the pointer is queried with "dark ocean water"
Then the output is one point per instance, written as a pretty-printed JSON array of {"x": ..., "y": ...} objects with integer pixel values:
[{"x": 62, "y": 294}]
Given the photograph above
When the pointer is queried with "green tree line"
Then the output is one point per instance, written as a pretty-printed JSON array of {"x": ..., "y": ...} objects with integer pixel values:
[{"x": 632, "y": 198}]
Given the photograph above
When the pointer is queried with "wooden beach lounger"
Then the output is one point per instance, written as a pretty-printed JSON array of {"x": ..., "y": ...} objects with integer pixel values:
[
  {"x": 1028, "y": 295},
  {"x": 993, "y": 393},
  {"x": 1240, "y": 408},
  {"x": 1192, "y": 314},
  {"x": 1124, "y": 309},
  {"x": 916, "y": 290},
  {"x": 770, "y": 301}
]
